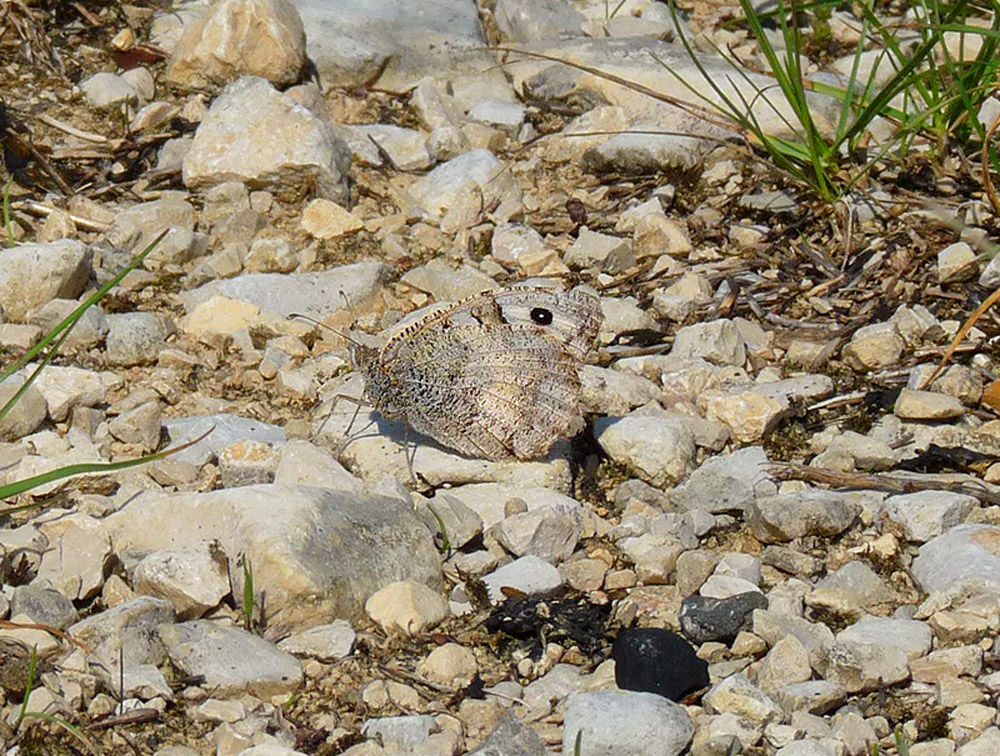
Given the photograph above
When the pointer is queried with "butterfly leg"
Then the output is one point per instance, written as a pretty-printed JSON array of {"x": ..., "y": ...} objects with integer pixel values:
[
  {"x": 358, "y": 404},
  {"x": 410, "y": 458}
]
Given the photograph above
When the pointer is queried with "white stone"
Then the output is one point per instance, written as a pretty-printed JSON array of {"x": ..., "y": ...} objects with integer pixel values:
[
  {"x": 193, "y": 580},
  {"x": 659, "y": 450}
]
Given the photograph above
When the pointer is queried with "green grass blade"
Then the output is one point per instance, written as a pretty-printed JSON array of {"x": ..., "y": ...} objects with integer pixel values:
[
  {"x": 29, "y": 686},
  {"x": 249, "y": 594},
  {"x": 7, "y": 222},
  {"x": 20, "y": 486},
  {"x": 61, "y": 331},
  {"x": 72, "y": 729}
]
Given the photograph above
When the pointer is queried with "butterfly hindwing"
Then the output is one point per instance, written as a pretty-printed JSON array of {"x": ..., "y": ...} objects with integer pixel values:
[{"x": 492, "y": 376}]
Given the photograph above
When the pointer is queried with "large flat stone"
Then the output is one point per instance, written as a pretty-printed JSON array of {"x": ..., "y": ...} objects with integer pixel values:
[{"x": 317, "y": 554}]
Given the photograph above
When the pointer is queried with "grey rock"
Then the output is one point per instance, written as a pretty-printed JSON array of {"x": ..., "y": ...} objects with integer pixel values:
[
  {"x": 868, "y": 453},
  {"x": 319, "y": 553},
  {"x": 511, "y": 737},
  {"x": 139, "y": 426},
  {"x": 89, "y": 330},
  {"x": 659, "y": 450},
  {"x": 461, "y": 524},
  {"x": 709, "y": 619},
  {"x": 103, "y": 90},
  {"x": 506, "y": 116},
  {"x": 654, "y": 556},
  {"x": 271, "y": 256},
  {"x": 874, "y": 347},
  {"x": 719, "y": 341},
  {"x": 134, "y": 338},
  {"x": 611, "y": 254},
  {"x": 230, "y": 39},
  {"x": 928, "y": 514},
  {"x": 964, "y": 552},
  {"x": 861, "y": 666},
  {"x": 65, "y": 388},
  {"x": 328, "y": 643},
  {"x": 135, "y": 227},
  {"x": 781, "y": 518},
  {"x": 79, "y": 549},
  {"x": 772, "y": 202},
  {"x": 802, "y": 388},
  {"x": 814, "y": 696},
  {"x": 232, "y": 661},
  {"x": 447, "y": 283},
  {"x": 129, "y": 628},
  {"x": 443, "y": 187},
  {"x": 145, "y": 682},
  {"x": 26, "y": 415},
  {"x": 302, "y": 463},
  {"x": 193, "y": 579},
  {"x": 314, "y": 294},
  {"x": 545, "y": 532},
  {"x": 532, "y": 20},
  {"x": 860, "y": 582},
  {"x": 226, "y": 430},
  {"x": 613, "y": 392},
  {"x": 726, "y": 483},
  {"x": 400, "y": 733},
  {"x": 44, "y": 606},
  {"x": 927, "y": 405},
  {"x": 790, "y": 561},
  {"x": 255, "y": 134},
  {"x": 552, "y": 687},
  {"x": 910, "y": 636},
  {"x": 407, "y": 148},
  {"x": 392, "y": 46},
  {"x": 625, "y": 723},
  {"x": 490, "y": 500},
  {"x": 623, "y": 315},
  {"x": 32, "y": 274},
  {"x": 247, "y": 463},
  {"x": 957, "y": 262},
  {"x": 638, "y": 59},
  {"x": 642, "y": 152},
  {"x": 772, "y": 626},
  {"x": 529, "y": 574}
]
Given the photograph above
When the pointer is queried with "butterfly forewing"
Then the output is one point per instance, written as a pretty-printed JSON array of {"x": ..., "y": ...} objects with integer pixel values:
[
  {"x": 490, "y": 391},
  {"x": 492, "y": 376}
]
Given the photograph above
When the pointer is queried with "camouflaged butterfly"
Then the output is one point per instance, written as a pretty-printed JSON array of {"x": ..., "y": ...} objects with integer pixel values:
[{"x": 492, "y": 376}]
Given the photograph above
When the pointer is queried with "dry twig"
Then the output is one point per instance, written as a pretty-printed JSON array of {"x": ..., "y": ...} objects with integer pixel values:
[{"x": 882, "y": 482}]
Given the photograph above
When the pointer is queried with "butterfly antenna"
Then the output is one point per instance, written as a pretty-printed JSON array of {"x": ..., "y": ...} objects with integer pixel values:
[{"x": 343, "y": 334}]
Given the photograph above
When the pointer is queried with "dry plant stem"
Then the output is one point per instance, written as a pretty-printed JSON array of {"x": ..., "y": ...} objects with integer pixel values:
[
  {"x": 133, "y": 717},
  {"x": 7, "y": 625},
  {"x": 44, "y": 211},
  {"x": 72, "y": 130},
  {"x": 891, "y": 483},
  {"x": 966, "y": 327},
  {"x": 991, "y": 191},
  {"x": 90, "y": 17},
  {"x": 703, "y": 113}
]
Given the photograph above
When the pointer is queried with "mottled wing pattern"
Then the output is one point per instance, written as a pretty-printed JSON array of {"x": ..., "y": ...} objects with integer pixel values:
[
  {"x": 492, "y": 390},
  {"x": 492, "y": 376},
  {"x": 572, "y": 318}
]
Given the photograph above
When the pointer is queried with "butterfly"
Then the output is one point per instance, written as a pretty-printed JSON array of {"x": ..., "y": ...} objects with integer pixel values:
[{"x": 492, "y": 376}]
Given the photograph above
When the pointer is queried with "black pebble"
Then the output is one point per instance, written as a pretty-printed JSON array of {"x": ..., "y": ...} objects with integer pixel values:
[
  {"x": 654, "y": 660},
  {"x": 711, "y": 619}
]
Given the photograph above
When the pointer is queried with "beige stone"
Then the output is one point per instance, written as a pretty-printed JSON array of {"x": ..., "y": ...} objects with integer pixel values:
[
  {"x": 325, "y": 219},
  {"x": 240, "y": 37}
]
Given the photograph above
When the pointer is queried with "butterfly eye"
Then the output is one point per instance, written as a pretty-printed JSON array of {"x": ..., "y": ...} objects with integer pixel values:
[{"x": 541, "y": 316}]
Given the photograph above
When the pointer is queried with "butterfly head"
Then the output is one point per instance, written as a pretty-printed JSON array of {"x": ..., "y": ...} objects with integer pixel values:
[{"x": 380, "y": 388}]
